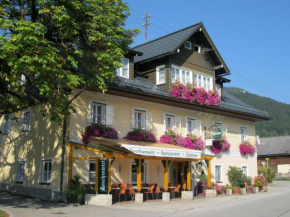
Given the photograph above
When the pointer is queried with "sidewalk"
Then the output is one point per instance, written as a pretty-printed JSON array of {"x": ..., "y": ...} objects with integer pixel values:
[{"x": 23, "y": 206}]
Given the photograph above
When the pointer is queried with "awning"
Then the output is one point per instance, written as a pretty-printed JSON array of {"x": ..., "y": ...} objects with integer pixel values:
[{"x": 124, "y": 146}]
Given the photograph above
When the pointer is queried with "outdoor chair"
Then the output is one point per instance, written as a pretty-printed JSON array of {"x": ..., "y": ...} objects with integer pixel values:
[
  {"x": 150, "y": 191},
  {"x": 158, "y": 191},
  {"x": 131, "y": 191},
  {"x": 176, "y": 190}
]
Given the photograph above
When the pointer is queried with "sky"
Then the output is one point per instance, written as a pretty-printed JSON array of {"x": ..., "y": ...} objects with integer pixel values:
[{"x": 252, "y": 36}]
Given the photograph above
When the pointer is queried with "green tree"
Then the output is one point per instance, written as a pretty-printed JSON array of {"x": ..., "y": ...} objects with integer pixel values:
[{"x": 51, "y": 51}]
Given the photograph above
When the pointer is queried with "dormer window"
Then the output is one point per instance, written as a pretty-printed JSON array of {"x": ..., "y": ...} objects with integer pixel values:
[
  {"x": 181, "y": 74},
  {"x": 124, "y": 70},
  {"x": 197, "y": 48},
  {"x": 203, "y": 81},
  {"x": 187, "y": 45},
  {"x": 160, "y": 75}
]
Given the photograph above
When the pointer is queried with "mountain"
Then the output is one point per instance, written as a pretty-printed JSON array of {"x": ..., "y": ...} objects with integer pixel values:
[{"x": 279, "y": 125}]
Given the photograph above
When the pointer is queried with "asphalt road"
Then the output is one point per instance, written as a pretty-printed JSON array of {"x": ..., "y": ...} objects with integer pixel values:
[{"x": 274, "y": 204}]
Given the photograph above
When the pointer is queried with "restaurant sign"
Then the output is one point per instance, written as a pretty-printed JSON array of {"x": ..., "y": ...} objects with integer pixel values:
[
  {"x": 217, "y": 132},
  {"x": 163, "y": 152},
  {"x": 103, "y": 176}
]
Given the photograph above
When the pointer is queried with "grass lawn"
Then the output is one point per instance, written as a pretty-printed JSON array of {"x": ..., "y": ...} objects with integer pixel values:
[
  {"x": 3, "y": 214},
  {"x": 282, "y": 179}
]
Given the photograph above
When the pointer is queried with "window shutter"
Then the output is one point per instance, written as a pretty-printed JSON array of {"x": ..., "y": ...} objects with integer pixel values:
[
  {"x": 133, "y": 119},
  {"x": 198, "y": 127},
  {"x": 143, "y": 121},
  {"x": 225, "y": 129},
  {"x": 149, "y": 121},
  {"x": 110, "y": 115},
  {"x": 178, "y": 125},
  {"x": 90, "y": 113}
]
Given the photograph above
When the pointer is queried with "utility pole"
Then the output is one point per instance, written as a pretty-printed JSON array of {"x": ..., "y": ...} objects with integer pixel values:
[{"x": 146, "y": 24}]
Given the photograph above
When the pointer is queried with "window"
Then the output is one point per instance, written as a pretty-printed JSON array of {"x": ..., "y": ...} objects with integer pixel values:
[
  {"x": 245, "y": 170},
  {"x": 26, "y": 121},
  {"x": 187, "y": 45},
  {"x": 197, "y": 48},
  {"x": 190, "y": 126},
  {"x": 124, "y": 70},
  {"x": 139, "y": 119},
  {"x": 20, "y": 171},
  {"x": 244, "y": 134},
  {"x": 46, "y": 171},
  {"x": 203, "y": 81},
  {"x": 92, "y": 172},
  {"x": 160, "y": 75},
  {"x": 169, "y": 121},
  {"x": 98, "y": 113},
  {"x": 218, "y": 173},
  {"x": 180, "y": 74},
  {"x": 218, "y": 87},
  {"x": 6, "y": 126},
  {"x": 134, "y": 171}
]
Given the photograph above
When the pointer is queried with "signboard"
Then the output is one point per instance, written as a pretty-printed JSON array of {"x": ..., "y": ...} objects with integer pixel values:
[
  {"x": 217, "y": 132},
  {"x": 163, "y": 152},
  {"x": 208, "y": 142},
  {"x": 103, "y": 176}
]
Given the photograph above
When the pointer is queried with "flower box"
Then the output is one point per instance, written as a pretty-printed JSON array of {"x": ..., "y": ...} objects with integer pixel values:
[
  {"x": 256, "y": 190},
  {"x": 211, "y": 193},
  {"x": 243, "y": 191},
  {"x": 229, "y": 192},
  {"x": 246, "y": 148}
]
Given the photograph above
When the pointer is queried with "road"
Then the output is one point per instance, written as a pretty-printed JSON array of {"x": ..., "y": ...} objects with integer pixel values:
[{"x": 274, "y": 204}]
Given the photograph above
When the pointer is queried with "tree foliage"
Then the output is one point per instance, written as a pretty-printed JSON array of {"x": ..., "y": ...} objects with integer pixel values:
[
  {"x": 279, "y": 112},
  {"x": 49, "y": 48}
]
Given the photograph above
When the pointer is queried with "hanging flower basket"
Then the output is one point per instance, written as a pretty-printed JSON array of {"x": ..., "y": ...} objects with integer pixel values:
[
  {"x": 221, "y": 145},
  {"x": 195, "y": 94},
  {"x": 99, "y": 130},
  {"x": 247, "y": 148},
  {"x": 141, "y": 135}
]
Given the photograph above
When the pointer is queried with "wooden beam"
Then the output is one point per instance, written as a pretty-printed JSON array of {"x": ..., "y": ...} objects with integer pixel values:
[
  {"x": 166, "y": 176},
  {"x": 88, "y": 148},
  {"x": 139, "y": 176},
  {"x": 209, "y": 174},
  {"x": 85, "y": 158},
  {"x": 109, "y": 174},
  {"x": 97, "y": 176},
  {"x": 189, "y": 176},
  {"x": 70, "y": 163}
]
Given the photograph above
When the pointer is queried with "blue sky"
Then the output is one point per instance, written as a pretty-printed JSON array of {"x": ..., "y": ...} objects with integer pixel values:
[{"x": 253, "y": 37}]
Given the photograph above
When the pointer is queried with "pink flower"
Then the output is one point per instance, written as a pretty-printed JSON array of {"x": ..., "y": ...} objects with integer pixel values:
[{"x": 166, "y": 139}]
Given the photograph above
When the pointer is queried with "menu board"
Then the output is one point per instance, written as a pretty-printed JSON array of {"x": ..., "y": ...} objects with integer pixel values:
[{"x": 103, "y": 176}]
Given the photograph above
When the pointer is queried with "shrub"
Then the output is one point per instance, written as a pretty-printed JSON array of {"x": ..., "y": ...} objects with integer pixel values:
[
  {"x": 229, "y": 186},
  {"x": 268, "y": 173},
  {"x": 76, "y": 191},
  {"x": 259, "y": 181},
  {"x": 248, "y": 181},
  {"x": 236, "y": 176}
]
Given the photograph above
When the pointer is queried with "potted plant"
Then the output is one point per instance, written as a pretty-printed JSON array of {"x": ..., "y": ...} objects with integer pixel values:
[
  {"x": 236, "y": 178},
  {"x": 229, "y": 190},
  {"x": 259, "y": 181},
  {"x": 242, "y": 189}
]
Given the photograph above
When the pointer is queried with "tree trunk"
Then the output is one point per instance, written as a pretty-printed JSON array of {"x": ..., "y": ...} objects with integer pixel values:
[{"x": 62, "y": 157}]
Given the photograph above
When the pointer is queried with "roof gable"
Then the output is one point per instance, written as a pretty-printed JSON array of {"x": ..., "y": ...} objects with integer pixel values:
[{"x": 168, "y": 44}]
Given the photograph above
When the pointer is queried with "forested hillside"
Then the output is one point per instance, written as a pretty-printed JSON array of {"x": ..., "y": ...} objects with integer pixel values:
[{"x": 279, "y": 112}]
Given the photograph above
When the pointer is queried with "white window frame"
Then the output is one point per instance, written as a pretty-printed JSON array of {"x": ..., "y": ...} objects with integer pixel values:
[
  {"x": 196, "y": 81},
  {"x": 245, "y": 135},
  {"x": 120, "y": 71},
  {"x": 18, "y": 171},
  {"x": 187, "y": 118},
  {"x": 6, "y": 126},
  {"x": 187, "y": 43},
  {"x": 181, "y": 76},
  {"x": 43, "y": 161},
  {"x": 158, "y": 75},
  {"x": 144, "y": 178},
  {"x": 139, "y": 110},
  {"x": 221, "y": 171},
  {"x": 247, "y": 166},
  {"x": 199, "y": 48},
  {"x": 96, "y": 102},
  {"x": 26, "y": 124},
  {"x": 164, "y": 121},
  {"x": 89, "y": 172}
]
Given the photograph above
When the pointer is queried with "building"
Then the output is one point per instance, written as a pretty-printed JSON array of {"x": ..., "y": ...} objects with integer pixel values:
[
  {"x": 274, "y": 152},
  {"x": 140, "y": 97}
]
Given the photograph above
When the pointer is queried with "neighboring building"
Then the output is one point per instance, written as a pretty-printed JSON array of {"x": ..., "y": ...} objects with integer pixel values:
[
  {"x": 274, "y": 152},
  {"x": 31, "y": 149}
]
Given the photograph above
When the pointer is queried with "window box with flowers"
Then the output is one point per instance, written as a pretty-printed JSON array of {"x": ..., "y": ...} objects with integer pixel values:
[
  {"x": 99, "y": 130},
  {"x": 195, "y": 94},
  {"x": 141, "y": 135},
  {"x": 190, "y": 142},
  {"x": 221, "y": 145},
  {"x": 246, "y": 148}
]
